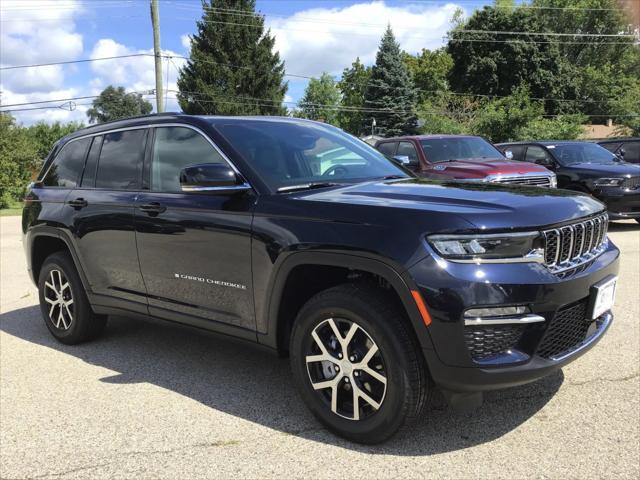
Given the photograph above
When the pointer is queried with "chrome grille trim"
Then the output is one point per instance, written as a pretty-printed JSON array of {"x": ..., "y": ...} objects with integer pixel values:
[{"x": 572, "y": 245}]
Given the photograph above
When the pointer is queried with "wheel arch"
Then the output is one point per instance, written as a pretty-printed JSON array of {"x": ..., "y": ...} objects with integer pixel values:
[
  {"x": 46, "y": 241},
  {"x": 346, "y": 266}
]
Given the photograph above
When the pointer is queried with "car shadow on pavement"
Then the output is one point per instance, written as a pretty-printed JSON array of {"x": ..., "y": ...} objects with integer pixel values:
[{"x": 254, "y": 385}]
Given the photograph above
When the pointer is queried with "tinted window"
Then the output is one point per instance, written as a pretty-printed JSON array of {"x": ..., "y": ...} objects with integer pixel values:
[
  {"x": 89, "y": 176},
  {"x": 517, "y": 150},
  {"x": 458, "y": 148},
  {"x": 631, "y": 152},
  {"x": 536, "y": 154},
  {"x": 66, "y": 168},
  {"x": 612, "y": 147},
  {"x": 387, "y": 149},
  {"x": 288, "y": 154},
  {"x": 175, "y": 148},
  {"x": 407, "y": 148},
  {"x": 121, "y": 160},
  {"x": 574, "y": 153}
]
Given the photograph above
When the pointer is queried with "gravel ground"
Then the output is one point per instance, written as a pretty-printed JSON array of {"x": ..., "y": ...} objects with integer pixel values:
[{"x": 153, "y": 400}]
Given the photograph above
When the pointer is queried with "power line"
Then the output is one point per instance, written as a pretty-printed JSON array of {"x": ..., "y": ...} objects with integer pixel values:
[{"x": 83, "y": 60}]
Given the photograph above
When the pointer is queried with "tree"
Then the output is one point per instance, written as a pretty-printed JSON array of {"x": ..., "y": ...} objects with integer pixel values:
[
  {"x": 321, "y": 100},
  {"x": 494, "y": 64},
  {"x": 44, "y": 135},
  {"x": 390, "y": 96},
  {"x": 429, "y": 71},
  {"x": 17, "y": 160},
  {"x": 232, "y": 69},
  {"x": 563, "y": 127},
  {"x": 114, "y": 103},
  {"x": 503, "y": 119},
  {"x": 353, "y": 86}
]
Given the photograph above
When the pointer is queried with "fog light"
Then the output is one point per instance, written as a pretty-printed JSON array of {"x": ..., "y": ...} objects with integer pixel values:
[{"x": 496, "y": 311}]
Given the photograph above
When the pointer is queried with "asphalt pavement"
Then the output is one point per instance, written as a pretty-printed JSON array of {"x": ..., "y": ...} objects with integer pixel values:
[{"x": 155, "y": 400}]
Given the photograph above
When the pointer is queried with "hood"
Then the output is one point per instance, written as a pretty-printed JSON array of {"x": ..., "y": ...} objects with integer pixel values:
[
  {"x": 597, "y": 170},
  {"x": 484, "y": 205},
  {"x": 481, "y": 167}
]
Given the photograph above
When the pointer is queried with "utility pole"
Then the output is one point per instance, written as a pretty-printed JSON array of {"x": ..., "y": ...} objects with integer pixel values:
[{"x": 155, "y": 22}]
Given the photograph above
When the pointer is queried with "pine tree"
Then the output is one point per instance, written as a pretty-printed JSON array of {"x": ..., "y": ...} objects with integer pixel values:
[
  {"x": 353, "y": 86},
  {"x": 321, "y": 100},
  {"x": 232, "y": 69},
  {"x": 390, "y": 96}
]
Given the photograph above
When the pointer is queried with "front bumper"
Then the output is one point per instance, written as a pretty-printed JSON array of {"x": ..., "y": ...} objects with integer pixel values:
[
  {"x": 451, "y": 288},
  {"x": 621, "y": 203}
]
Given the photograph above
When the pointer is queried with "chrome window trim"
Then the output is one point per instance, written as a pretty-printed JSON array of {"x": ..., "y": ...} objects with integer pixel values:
[
  {"x": 149, "y": 126},
  {"x": 488, "y": 321}
]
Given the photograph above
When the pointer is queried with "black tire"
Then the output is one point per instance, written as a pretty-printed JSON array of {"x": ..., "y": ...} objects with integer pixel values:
[
  {"x": 383, "y": 322},
  {"x": 77, "y": 323}
]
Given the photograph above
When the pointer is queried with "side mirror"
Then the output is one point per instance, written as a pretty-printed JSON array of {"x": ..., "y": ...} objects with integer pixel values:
[
  {"x": 405, "y": 161},
  {"x": 545, "y": 162},
  {"x": 621, "y": 153},
  {"x": 508, "y": 154},
  {"x": 211, "y": 178}
]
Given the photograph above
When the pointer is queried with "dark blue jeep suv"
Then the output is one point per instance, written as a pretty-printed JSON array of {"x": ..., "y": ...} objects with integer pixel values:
[{"x": 296, "y": 236}]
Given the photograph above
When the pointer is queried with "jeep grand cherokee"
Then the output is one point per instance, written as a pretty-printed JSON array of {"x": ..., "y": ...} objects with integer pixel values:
[{"x": 294, "y": 235}]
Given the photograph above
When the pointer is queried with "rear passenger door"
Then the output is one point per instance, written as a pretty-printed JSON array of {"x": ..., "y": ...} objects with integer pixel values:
[
  {"x": 194, "y": 248},
  {"x": 102, "y": 218}
]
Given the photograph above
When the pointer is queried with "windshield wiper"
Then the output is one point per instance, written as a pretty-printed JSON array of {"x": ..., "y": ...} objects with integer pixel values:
[
  {"x": 307, "y": 186},
  {"x": 393, "y": 177}
]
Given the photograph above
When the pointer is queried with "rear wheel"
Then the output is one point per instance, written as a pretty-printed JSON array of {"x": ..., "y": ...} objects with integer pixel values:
[
  {"x": 64, "y": 304},
  {"x": 356, "y": 364}
]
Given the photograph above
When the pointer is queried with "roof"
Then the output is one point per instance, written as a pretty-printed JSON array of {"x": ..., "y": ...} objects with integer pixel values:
[
  {"x": 168, "y": 117},
  {"x": 619, "y": 140},
  {"x": 427, "y": 137},
  {"x": 543, "y": 142}
]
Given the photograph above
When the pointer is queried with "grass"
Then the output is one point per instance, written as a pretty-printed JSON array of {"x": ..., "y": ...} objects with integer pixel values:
[{"x": 14, "y": 209}]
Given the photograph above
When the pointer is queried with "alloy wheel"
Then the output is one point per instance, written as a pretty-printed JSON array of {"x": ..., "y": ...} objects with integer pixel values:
[
  {"x": 58, "y": 295},
  {"x": 346, "y": 368}
]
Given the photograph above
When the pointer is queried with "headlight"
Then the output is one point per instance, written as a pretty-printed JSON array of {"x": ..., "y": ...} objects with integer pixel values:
[
  {"x": 608, "y": 182},
  {"x": 553, "y": 182},
  {"x": 501, "y": 247}
]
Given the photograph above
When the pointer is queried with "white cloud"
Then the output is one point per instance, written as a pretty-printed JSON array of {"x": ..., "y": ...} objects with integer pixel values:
[
  {"x": 134, "y": 73},
  {"x": 34, "y": 32},
  {"x": 185, "y": 40},
  {"x": 329, "y": 39},
  {"x": 69, "y": 111}
]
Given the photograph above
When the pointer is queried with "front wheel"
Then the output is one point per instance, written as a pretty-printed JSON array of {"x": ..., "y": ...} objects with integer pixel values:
[{"x": 356, "y": 364}]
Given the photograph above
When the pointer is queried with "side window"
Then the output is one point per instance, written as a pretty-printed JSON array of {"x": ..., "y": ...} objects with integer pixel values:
[
  {"x": 66, "y": 168},
  {"x": 612, "y": 147},
  {"x": 89, "y": 176},
  {"x": 120, "y": 161},
  {"x": 517, "y": 150},
  {"x": 632, "y": 152},
  {"x": 175, "y": 148},
  {"x": 408, "y": 149},
  {"x": 387, "y": 149},
  {"x": 536, "y": 154}
]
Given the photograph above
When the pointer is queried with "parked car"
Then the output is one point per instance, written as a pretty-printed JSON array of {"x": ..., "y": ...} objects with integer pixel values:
[
  {"x": 628, "y": 149},
  {"x": 586, "y": 167},
  {"x": 461, "y": 157},
  {"x": 375, "y": 283}
]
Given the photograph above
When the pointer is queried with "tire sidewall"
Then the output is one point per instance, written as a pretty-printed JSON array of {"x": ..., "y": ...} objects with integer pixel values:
[
  {"x": 59, "y": 262},
  {"x": 394, "y": 407}
]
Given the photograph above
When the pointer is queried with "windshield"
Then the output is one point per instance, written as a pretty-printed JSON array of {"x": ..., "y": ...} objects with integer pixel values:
[
  {"x": 287, "y": 154},
  {"x": 572, "y": 153},
  {"x": 458, "y": 148}
]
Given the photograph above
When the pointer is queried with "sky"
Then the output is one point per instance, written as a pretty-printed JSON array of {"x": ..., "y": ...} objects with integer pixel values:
[{"x": 312, "y": 36}]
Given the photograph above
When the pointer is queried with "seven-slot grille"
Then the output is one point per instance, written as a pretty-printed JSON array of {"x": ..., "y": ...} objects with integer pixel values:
[
  {"x": 568, "y": 246},
  {"x": 540, "y": 181},
  {"x": 631, "y": 183}
]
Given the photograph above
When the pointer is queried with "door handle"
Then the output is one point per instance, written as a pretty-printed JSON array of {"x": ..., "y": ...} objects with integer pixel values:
[
  {"x": 78, "y": 203},
  {"x": 152, "y": 208}
]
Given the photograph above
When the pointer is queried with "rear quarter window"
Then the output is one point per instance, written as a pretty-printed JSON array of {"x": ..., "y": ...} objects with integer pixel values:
[{"x": 66, "y": 168}]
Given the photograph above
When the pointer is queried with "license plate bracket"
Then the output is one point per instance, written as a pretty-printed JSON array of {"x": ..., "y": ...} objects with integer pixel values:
[{"x": 602, "y": 297}]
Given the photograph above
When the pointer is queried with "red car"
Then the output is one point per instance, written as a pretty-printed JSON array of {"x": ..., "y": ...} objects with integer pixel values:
[{"x": 462, "y": 157}]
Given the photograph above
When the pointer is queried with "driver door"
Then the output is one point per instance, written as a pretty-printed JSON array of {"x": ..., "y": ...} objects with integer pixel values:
[{"x": 194, "y": 248}]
